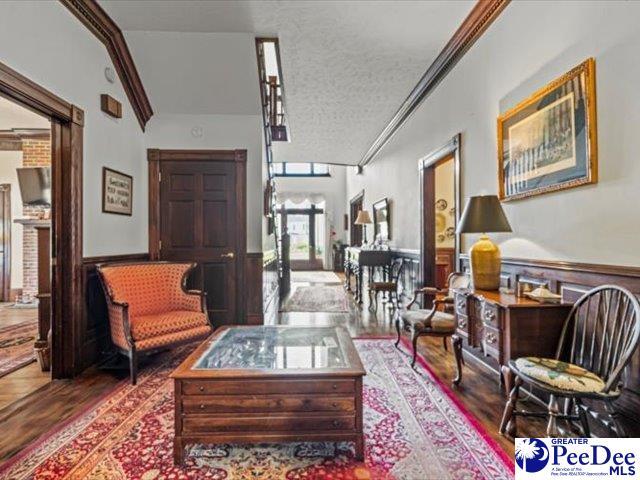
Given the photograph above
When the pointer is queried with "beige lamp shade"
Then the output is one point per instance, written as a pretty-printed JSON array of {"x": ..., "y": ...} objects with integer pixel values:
[{"x": 363, "y": 218}]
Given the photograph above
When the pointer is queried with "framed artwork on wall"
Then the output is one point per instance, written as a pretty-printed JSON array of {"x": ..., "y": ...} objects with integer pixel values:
[
  {"x": 381, "y": 221},
  {"x": 548, "y": 142},
  {"x": 117, "y": 192}
]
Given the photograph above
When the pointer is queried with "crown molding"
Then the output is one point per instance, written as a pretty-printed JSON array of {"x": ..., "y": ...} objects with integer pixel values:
[
  {"x": 107, "y": 31},
  {"x": 474, "y": 25}
]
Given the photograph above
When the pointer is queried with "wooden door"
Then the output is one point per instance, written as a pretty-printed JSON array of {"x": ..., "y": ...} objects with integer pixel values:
[
  {"x": 199, "y": 216},
  {"x": 356, "y": 234}
]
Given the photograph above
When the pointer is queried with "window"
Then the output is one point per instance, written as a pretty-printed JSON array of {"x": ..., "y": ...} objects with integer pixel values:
[{"x": 287, "y": 169}]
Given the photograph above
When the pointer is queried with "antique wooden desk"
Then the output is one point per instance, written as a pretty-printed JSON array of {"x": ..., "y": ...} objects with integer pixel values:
[
  {"x": 270, "y": 384},
  {"x": 499, "y": 327},
  {"x": 355, "y": 262}
]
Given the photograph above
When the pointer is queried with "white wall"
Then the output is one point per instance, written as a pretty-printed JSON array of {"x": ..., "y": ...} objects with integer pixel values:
[
  {"x": 223, "y": 132},
  {"x": 529, "y": 45},
  {"x": 46, "y": 43},
  {"x": 9, "y": 161},
  {"x": 198, "y": 73}
]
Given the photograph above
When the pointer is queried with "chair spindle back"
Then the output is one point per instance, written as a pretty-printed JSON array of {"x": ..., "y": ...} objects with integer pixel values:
[{"x": 602, "y": 332}]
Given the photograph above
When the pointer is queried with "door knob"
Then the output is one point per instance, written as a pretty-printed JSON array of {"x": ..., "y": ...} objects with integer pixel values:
[{"x": 228, "y": 255}]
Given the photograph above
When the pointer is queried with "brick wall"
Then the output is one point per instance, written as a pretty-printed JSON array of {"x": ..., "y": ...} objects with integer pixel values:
[{"x": 35, "y": 153}]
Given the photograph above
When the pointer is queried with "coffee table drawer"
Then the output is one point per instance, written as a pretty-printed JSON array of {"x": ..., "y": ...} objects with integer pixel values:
[
  {"x": 267, "y": 404},
  {"x": 266, "y": 387},
  {"x": 249, "y": 423}
]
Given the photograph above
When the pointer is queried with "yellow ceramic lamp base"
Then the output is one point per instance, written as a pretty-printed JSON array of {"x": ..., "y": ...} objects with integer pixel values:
[{"x": 485, "y": 264}]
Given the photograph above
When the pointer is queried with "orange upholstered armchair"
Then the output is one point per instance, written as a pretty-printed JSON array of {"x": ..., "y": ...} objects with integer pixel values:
[{"x": 150, "y": 308}]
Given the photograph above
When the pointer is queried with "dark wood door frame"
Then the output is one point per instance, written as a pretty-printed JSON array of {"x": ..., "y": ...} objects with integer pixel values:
[
  {"x": 311, "y": 212},
  {"x": 5, "y": 193},
  {"x": 353, "y": 235},
  {"x": 427, "y": 166},
  {"x": 67, "y": 125},
  {"x": 155, "y": 157}
]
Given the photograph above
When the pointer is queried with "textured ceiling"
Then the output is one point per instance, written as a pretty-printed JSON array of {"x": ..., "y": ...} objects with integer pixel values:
[{"x": 347, "y": 65}]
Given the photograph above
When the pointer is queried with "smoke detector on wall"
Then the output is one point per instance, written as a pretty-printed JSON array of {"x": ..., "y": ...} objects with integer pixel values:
[{"x": 110, "y": 75}]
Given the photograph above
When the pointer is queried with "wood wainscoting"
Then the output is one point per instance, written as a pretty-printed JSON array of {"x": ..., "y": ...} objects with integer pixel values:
[
  {"x": 95, "y": 337},
  {"x": 411, "y": 278},
  {"x": 571, "y": 280},
  {"x": 253, "y": 290}
]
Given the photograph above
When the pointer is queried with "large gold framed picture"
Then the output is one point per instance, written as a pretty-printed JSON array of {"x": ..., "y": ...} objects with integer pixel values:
[{"x": 548, "y": 142}]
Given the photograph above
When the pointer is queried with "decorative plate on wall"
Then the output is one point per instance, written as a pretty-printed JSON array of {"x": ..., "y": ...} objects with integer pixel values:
[
  {"x": 451, "y": 232},
  {"x": 441, "y": 204}
]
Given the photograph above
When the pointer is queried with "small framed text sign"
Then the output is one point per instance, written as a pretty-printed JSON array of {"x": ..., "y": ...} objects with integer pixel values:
[{"x": 117, "y": 192}]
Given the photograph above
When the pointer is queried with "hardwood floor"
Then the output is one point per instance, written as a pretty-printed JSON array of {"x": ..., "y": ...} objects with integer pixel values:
[
  {"x": 28, "y": 379},
  {"x": 30, "y": 417}
]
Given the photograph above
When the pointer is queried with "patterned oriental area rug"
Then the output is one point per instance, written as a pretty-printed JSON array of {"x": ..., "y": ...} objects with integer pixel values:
[
  {"x": 414, "y": 430},
  {"x": 319, "y": 298},
  {"x": 315, "y": 276},
  {"x": 16, "y": 346}
]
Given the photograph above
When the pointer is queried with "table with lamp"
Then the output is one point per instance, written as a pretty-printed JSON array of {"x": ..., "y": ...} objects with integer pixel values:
[
  {"x": 496, "y": 324},
  {"x": 359, "y": 259}
]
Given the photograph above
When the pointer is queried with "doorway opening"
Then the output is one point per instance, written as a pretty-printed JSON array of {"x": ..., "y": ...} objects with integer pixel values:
[
  {"x": 25, "y": 229},
  {"x": 440, "y": 213},
  {"x": 305, "y": 224},
  {"x": 355, "y": 231}
]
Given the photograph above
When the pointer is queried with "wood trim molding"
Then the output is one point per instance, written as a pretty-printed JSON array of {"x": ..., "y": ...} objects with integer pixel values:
[
  {"x": 67, "y": 298},
  {"x": 108, "y": 32},
  {"x": 123, "y": 257},
  {"x": 427, "y": 217},
  {"x": 154, "y": 154},
  {"x": 30, "y": 94},
  {"x": 595, "y": 268},
  {"x": 474, "y": 25}
]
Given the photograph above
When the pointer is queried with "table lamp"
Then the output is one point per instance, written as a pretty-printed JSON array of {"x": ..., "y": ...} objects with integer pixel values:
[
  {"x": 363, "y": 219},
  {"x": 483, "y": 214}
]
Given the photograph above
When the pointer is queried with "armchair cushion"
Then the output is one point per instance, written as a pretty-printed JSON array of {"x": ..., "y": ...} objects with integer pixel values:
[
  {"x": 559, "y": 374},
  {"x": 165, "y": 323},
  {"x": 419, "y": 320},
  {"x": 173, "y": 338}
]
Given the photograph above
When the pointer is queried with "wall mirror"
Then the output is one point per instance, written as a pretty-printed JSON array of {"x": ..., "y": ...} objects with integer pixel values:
[{"x": 381, "y": 221}]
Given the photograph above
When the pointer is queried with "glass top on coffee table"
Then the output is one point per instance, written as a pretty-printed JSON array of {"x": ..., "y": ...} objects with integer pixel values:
[{"x": 278, "y": 348}]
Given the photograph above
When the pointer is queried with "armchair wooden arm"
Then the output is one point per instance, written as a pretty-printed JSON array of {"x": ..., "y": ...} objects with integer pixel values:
[
  {"x": 203, "y": 302},
  {"x": 430, "y": 291}
]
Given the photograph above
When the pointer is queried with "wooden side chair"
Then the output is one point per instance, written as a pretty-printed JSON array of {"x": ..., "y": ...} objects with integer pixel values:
[
  {"x": 389, "y": 287},
  {"x": 597, "y": 342},
  {"x": 440, "y": 321}
]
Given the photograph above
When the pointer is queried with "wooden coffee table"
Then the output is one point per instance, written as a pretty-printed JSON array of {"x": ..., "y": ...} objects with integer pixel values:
[{"x": 268, "y": 384}]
